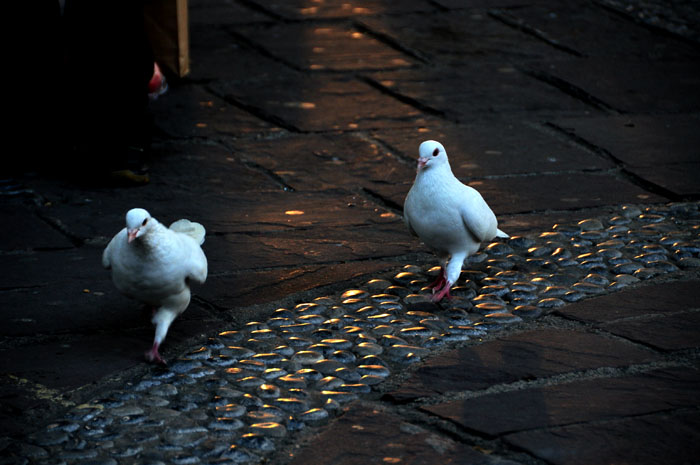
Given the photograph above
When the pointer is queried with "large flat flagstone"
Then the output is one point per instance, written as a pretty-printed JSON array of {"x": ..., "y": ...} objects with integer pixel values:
[
  {"x": 366, "y": 435},
  {"x": 319, "y": 103},
  {"x": 216, "y": 55},
  {"x": 657, "y": 87},
  {"x": 585, "y": 401},
  {"x": 589, "y": 30},
  {"x": 525, "y": 194},
  {"x": 525, "y": 356},
  {"x": 455, "y": 37},
  {"x": 653, "y": 299},
  {"x": 202, "y": 115},
  {"x": 287, "y": 211},
  {"x": 301, "y": 9},
  {"x": 646, "y": 440},
  {"x": 682, "y": 179},
  {"x": 25, "y": 230},
  {"x": 258, "y": 287},
  {"x": 468, "y": 4},
  {"x": 661, "y": 148},
  {"x": 217, "y": 12},
  {"x": 219, "y": 171},
  {"x": 480, "y": 88},
  {"x": 67, "y": 292},
  {"x": 310, "y": 46},
  {"x": 560, "y": 192},
  {"x": 96, "y": 215},
  {"x": 318, "y": 162},
  {"x": 665, "y": 332},
  {"x": 496, "y": 147},
  {"x": 294, "y": 248},
  {"x": 226, "y": 212}
]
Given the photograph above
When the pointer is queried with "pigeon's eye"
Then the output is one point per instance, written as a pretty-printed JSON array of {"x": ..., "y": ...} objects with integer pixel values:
[
  {"x": 144, "y": 222},
  {"x": 436, "y": 152}
]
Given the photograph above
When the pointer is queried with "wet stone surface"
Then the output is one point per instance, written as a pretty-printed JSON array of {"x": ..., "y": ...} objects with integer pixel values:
[{"x": 235, "y": 398}]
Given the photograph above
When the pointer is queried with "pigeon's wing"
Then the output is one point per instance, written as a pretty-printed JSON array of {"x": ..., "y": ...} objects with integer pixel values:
[
  {"x": 407, "y": 221},
  {"x": 407, "y": 214},
  {"x": 194, "y": 261},
  {"x": 199, "y": 269},
  {"x": 195, "y": 230},
  {"x": 476, "y": 215},
  {"x": 112, "y": 248}
]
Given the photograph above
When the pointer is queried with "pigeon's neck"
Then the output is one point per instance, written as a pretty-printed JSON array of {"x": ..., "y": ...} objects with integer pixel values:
[
  {"x": 145, "y": 244},
  {"x": 435, "y": 174}
]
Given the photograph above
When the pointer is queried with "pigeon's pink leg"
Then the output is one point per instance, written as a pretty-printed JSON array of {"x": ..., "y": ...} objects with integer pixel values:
[
  {"x": 153, "y": 355},
  {"x": 444, "y": 292},
  {"x": 439, "y": 282}
]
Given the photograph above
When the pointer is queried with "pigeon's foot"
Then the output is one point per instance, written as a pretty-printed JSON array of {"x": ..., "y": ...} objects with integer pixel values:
[
  {"x": 438, "y": 283},
  {"x": 443, "y": 293},
  {"x": 154, "y": 357}
]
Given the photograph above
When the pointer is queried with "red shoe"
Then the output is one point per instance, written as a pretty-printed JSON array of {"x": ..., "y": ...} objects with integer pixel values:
[{"x": 157, "y": 86}]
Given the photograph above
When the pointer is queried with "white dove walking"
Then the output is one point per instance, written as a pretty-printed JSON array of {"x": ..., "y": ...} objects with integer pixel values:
[
  {"x": 452, "y": 219},
  {"x": 155, "y": 265}
]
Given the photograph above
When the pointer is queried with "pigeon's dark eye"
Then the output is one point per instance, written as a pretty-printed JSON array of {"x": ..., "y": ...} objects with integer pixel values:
[
  {"x": 144, "y": 222},
  {"x": 435, "y": 152}
]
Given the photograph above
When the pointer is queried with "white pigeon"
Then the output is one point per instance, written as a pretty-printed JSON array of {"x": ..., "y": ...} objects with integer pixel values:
[
  {"x": 452, "y": 219},
  {"x": 155, "y": 265}
]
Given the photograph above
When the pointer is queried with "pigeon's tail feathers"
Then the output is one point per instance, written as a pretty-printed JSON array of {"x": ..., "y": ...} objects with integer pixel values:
[
  {"x": 195, "y": 230},
  {"x": 500, "y": 233}
]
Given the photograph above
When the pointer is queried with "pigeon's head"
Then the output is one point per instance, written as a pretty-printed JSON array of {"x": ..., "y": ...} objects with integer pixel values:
[
  {"x": 138, "y": 223},
  {"x": 431, "y": 153}
]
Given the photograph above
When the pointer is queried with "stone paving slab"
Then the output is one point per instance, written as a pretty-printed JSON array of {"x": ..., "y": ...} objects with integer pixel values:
[
  {"x": 319, "y": 162},
  {"x": 495, "y": 148},
  {"x": 582, "y": 28},
  {"x": 677, "y": 18},
  {"x": 299, "y": 9},
  {"x": 227, "y": 212},
  {"x": 468, "y": 4},
  {"x": 561, "y": 192},
  {"x": 541, "y": 193},
  {"x": 220, "y": 171},
  {"x": 287, "y": 211},
  {"x": 204, "y": 115},
  {"x": 455, "y": 37},
  {"x": 667, "y": 332},
  {"x": 255, "y": 287},
  {"x": 658, "y": 88},
  {"x": 680, "y": 179},
  {"x": 327, "y": 47},
  {"x": 654, "y": 299},
  {"x": 214, "y": 12},
  {"x": 35, "y": 234},
  {"x": 481, "y": 88},
  {"x": 216, "y": 55},
  {"x": 367, "y": 435},
  {"x": 659, "y": 438},
  {"x": 586, "y": 401},
  {"x": 40, "y": 286},
  {"x": 524, "y": 356},
  {"x": 313, "y": 107},
  {"x": 667, "y": 139},
  {"x": 669, "y": 158},
  {"x": 296, "y": 249}
]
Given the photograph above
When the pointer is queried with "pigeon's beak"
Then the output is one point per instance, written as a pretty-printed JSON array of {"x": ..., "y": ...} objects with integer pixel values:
[
  {"x": 131, "y": 234},
  {"x": 422, "y": 161}
]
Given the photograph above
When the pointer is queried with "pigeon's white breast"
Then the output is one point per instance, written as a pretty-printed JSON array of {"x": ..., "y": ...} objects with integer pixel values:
[
  {"x": 153, "y": 279},
  {"x": 435, "y": 217}
]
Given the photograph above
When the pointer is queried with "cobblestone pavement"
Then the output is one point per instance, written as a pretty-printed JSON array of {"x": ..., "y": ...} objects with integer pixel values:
[{"x": 313, "y": 341}]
